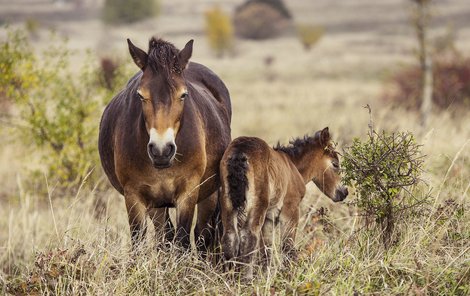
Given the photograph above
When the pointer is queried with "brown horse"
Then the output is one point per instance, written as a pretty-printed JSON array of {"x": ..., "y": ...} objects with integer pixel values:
[
  {"x": 161, "y": 140},
  {"x": 265, "y": 185}
]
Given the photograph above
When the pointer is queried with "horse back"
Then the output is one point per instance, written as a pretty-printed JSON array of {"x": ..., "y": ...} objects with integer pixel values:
[{"x": 205, "y": 78}]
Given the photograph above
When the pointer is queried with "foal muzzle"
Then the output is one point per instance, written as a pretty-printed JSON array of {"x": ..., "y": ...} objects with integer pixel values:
[{"x": 341, "y": 193}]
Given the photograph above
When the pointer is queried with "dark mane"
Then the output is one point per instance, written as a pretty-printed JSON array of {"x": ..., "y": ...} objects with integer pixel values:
[
  {"x": 163, "y": 58},
  {"x": 296, "y": 146}
]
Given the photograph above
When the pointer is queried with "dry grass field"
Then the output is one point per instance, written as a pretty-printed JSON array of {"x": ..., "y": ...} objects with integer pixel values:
[{"x": 62, "y": 245}]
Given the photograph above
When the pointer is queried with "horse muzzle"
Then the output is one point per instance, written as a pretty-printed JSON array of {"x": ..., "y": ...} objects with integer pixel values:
[
  {"x": 341, "y": 193},
  {"x": 161, "y": 157}
]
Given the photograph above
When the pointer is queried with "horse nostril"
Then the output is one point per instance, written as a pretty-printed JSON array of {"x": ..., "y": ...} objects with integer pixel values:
[
  {"x": 153, "y": 149},
  {"x": 169, "y": 150}
]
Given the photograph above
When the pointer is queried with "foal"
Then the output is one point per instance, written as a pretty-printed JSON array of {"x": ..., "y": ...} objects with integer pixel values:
[{"x": 262, "y": 186}]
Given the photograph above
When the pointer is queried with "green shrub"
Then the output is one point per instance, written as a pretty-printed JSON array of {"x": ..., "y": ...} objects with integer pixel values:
[
  {"x": 128, "y": 11},
  {"x": 384, "y": 169},
  {"x": 259, "y": 20},
  {"x": 15, "y": 49},
  {"x": 56, "y": 110},
  {"x": 309, "y": 35},
  {"x": 219, "y": 30}
]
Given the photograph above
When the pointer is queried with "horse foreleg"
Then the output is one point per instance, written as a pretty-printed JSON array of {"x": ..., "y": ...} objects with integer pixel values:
[
  {"x": 185, "y": 206},
  {"x": 289, "y": 219},
  {"x": 164, "y": 231},
  {"x": 205, "y": 230},
  {"x": 136, "y": 212}
]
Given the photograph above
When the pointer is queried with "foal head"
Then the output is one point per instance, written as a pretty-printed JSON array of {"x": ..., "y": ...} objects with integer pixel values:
[
  {"x": 317, "y": 160},
  {"x": 326, "y": 173},
  {"x": 162, "y": 90}
]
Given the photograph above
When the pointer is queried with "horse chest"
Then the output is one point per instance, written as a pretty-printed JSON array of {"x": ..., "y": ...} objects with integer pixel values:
[{"x": 160, "y": 194}]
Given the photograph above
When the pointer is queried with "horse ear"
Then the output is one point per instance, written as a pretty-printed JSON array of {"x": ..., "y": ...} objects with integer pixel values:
[
  {"x": 325, "y": 137},
  {"x": 185, "y": 54},
  {"x": 138, "y": 55}
]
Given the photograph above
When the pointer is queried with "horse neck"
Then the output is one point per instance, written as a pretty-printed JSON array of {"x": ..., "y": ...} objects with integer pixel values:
[{"x": 304, "y": 162}]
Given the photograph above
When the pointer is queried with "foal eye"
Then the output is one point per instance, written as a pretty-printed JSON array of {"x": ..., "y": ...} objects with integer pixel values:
[{"x": 335, "y": 164}]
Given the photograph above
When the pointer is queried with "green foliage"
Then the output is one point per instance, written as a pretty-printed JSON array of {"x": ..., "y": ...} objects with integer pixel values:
[
  {"x": 219, "y": 30},
  {"x": 56, "y": 110},
  {"x": 309, "y": 35},
  {"x": 128, "y": 11},
  {"x": 15, "y": 49},
  {"x": 384, "y": 168}
]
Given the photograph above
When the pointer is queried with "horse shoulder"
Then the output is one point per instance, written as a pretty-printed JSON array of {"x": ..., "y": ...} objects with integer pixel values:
[{"x": 206, "y": 79}]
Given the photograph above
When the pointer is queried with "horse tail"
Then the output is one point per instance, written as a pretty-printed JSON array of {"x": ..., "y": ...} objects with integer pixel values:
[{"x": 237, "y": 168}]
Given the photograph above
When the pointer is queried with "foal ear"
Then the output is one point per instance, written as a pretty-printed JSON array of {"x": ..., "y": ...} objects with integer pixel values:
[
  {"x": 185, "y": 54},
  {"x": 325, "y": 137},
  {"x": 138, "y": 55}
]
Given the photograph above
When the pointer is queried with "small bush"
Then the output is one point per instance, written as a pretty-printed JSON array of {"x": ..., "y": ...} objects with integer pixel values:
[
  {"x": 128, "y": 11},
  {"x": 309, "y": 35},
  {"x": 451, "y": 87},
  {"x": 384, "y": 168},
  {"x": 57, "y": 111},
  {"x": 219, "y": 31},
  {"x": 259, "y": 21},
  {"x": 276, "y": 4},
  {"x": 107, "y": 72}
]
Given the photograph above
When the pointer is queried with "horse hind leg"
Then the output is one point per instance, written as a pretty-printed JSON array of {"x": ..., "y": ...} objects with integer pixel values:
[
  {"x": 250, "y": 234},
  {"x": 230, "y": 236}
]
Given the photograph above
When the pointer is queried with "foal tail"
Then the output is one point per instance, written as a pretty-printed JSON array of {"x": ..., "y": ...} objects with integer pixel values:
[{"x": 237, "y": 167}]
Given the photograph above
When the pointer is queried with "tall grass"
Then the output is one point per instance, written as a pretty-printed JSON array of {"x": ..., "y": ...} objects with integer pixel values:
[{"x": 64, "y": 247}]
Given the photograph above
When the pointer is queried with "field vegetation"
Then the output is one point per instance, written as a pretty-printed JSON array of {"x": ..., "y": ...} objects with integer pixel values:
[{"x": 64, "y": 231}]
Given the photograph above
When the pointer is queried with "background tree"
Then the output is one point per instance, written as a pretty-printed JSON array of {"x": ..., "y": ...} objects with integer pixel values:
[{"x": 421, "y": 17}]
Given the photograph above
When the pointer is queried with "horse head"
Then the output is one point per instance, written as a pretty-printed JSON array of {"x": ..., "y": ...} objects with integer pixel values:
[{"x": 162, "y": 90}]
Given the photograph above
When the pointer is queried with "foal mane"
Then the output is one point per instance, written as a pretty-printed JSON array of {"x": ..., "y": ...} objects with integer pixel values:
[
  {"x": 297, "y": 146},
  {"x": 163, "y": 58}
]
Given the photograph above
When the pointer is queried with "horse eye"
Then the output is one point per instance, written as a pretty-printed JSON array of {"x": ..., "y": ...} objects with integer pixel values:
[
  {"x": 140, "y": 97},
  {"x": 184, "y": 96},
  {"x": 335, "y": 165}
]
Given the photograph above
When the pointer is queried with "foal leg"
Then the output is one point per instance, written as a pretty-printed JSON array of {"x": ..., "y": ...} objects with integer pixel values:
[
  {"x": 267, "y": 239},
  {"x": 136, "y": 212},
  {"x": 230, "y": 237},
  {"x": 250, "y": 234},
  {"x": 289, "y": 219}
]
